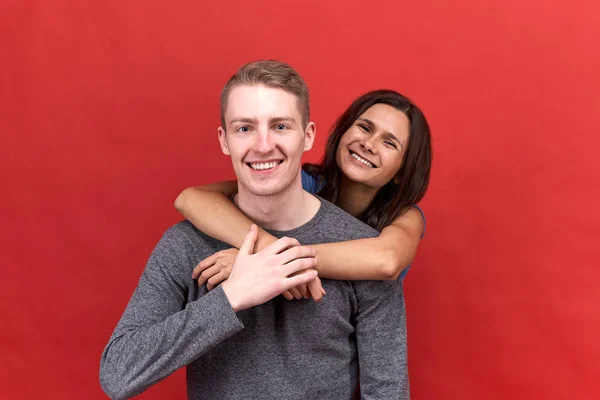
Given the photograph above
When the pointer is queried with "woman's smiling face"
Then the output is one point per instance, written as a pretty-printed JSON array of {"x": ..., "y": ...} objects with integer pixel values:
[{"x": 371, "y": 151}]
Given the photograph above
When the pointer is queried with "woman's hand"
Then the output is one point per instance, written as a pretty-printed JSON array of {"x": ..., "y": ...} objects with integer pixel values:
[
  {"x": 215, "y": 269},
  {"x": 313, "y": 289}
]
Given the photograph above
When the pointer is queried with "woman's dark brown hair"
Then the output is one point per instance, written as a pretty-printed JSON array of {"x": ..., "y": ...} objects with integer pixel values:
[{"x": 412, "y": 179}]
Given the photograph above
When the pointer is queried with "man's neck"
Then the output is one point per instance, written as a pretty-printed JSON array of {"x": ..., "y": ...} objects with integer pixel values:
[
  {"x": 354, "y": 198},
  {"x": 287, "y": 210}
]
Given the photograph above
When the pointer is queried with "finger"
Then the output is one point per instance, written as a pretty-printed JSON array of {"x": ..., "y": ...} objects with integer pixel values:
[
  {"x": 300, "y": 279},
  {"x": 304, "y": 291},
  {"x": 215, "y": 280},
  {"x": 296, "y": 252},
  {"x": 207, "y": 274},
  {"x": 247, "y": 246},
  {"x": 298, "y": 265},
  {"x": 204, "y": 264},
  {"x": 280, "y": 245},
  {"x": 296, "y": 293},
  {"x": 288, "y": 295},
  {"x": 316, "y": 289}
]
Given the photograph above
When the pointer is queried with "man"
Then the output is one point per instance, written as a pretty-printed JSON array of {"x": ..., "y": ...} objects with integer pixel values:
[{"x": 240, "y": 341}]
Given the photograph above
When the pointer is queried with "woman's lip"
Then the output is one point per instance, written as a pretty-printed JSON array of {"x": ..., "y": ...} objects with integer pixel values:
[{"x": 367, "y": 166}]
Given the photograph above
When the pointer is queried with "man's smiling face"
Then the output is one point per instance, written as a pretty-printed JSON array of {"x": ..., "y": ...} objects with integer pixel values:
[{"x": 265, "y": 138}]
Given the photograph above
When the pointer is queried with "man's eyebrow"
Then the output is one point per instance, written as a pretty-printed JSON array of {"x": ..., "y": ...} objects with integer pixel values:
[
  {"x": 282, "y": 119},
  {"x": 244, "y": 120},
  {"x": 254, "y": 121},
  {"x": 386, "y": 133}
]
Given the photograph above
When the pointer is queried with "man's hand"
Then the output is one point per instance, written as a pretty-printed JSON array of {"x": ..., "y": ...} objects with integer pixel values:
[
  {"x": 215, "y": 269},
  {"x": 257, "y": 278}
]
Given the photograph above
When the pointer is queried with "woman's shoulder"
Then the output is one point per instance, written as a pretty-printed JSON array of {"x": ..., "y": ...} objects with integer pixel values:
[
  {"x": 413, "y": 218},
  {"x": 311, "y": 183}
]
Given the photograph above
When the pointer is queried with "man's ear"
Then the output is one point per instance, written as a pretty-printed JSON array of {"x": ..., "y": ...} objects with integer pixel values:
[
  {"x": 309, "y": 136},
  {"x": 224, "y": 147}
]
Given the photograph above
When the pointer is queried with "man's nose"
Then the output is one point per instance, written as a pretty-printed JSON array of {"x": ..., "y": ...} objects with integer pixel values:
[{"x": 264, "y": 141}]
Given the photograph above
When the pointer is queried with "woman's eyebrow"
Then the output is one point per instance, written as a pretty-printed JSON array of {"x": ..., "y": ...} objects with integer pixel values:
[
  {"x": 390, "y": 135},
  {"x": 386, "y": 133},
  {"x": 367, "y": 121}
]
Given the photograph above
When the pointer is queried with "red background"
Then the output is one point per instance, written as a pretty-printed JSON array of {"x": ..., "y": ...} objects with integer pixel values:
[{"x": 108, "y": 109}]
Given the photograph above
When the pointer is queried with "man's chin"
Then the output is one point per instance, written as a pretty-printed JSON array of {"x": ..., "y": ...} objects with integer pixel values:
[
  {"x": 265, "y": 192},
  {"x": 264, "y": 189}
]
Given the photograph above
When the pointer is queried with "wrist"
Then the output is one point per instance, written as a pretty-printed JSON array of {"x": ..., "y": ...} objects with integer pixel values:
[
  {"x": 318, "y": 257},
  {"x": 264, "y": 240},
  {"x": 231, "y": 296}
]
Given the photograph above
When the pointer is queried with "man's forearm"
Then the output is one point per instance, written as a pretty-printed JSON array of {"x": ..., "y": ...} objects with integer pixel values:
[{"x": 137, "y": 357}]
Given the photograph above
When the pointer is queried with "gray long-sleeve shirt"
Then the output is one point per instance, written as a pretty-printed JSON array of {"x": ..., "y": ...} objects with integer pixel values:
[{"x": 279, "y": 350}]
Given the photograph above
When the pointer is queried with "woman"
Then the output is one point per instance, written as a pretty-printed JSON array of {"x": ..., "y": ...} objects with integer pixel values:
[{"x": 376, "y": 167}]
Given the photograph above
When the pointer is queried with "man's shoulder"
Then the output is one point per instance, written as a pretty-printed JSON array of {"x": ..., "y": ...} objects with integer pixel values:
[
  {"x": 185, "y": 245},
  {"x": 184, "y": 234},
  {"x": 183, "y": 228},
  {"x": 181, "y": 231},
  {"x": 339, "y": 223}
]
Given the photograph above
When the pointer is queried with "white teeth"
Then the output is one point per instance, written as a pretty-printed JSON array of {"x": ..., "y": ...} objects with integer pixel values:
[
  {"x": 362, "y": 160},
  {"x": 263, "y": 166}
]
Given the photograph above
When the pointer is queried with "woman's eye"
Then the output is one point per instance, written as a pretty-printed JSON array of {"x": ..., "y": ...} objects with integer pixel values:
[
  {"x": 365, "y": 128},
  {"x": 390, "y": 143}
]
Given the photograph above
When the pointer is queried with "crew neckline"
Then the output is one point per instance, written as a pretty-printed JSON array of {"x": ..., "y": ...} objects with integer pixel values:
[{"x": 306, "y": 226}]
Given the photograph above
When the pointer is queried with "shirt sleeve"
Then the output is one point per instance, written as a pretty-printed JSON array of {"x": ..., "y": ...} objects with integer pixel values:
[
  {"x": 158, "y": 332},
  {"x": 381, "y": 340}
]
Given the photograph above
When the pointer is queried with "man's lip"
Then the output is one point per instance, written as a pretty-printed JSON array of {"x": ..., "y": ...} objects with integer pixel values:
[
  {"x": 264, "y": 171},
  {"x": 361, "y": 156},
  {"x": 277, "y": 160}
]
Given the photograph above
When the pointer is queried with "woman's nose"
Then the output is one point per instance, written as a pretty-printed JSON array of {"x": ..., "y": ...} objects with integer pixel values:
[{"x": 368, "y": 146}]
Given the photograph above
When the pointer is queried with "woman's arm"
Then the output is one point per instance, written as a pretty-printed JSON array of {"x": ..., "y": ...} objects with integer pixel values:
[
  {"x": 380, "y": 258},
  {"x": 209, "y": 209}
]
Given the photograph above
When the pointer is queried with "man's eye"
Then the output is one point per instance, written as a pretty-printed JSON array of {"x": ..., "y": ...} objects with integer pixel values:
[
  {"x": 244, "y": 129},
  {"x": 280, "y": 127}
]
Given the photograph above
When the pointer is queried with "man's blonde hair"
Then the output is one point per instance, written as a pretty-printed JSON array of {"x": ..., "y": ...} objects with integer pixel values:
[{"x": 272, "y": 74}]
